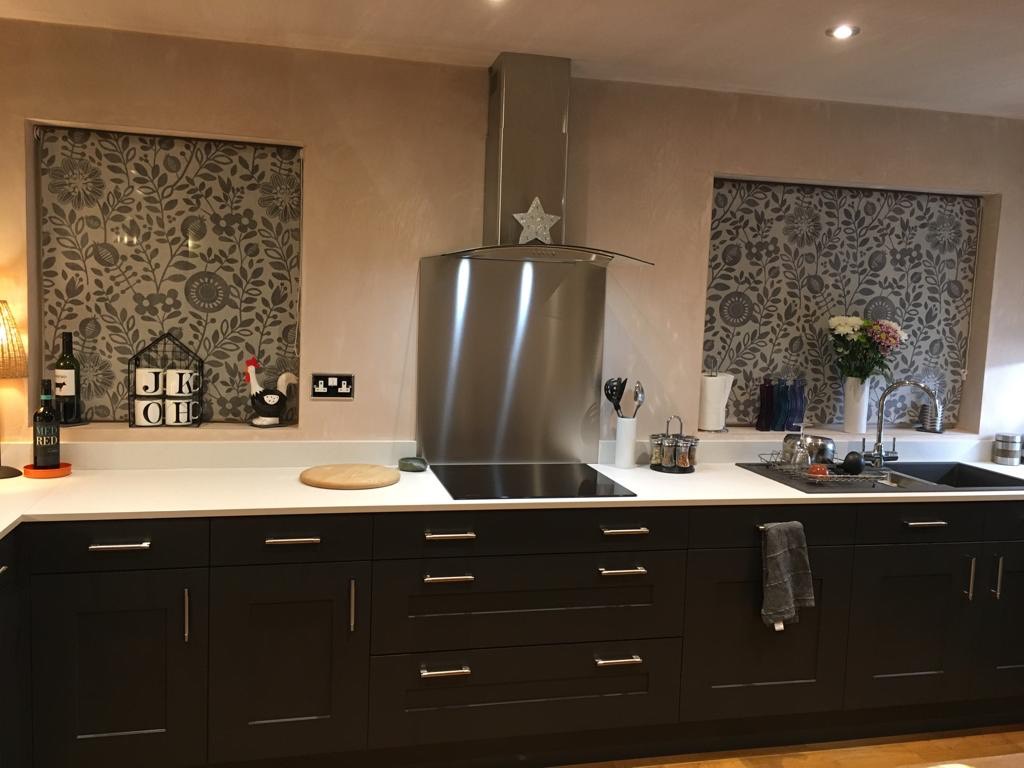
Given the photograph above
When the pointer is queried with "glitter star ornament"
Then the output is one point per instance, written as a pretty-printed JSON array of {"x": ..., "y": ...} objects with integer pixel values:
[{"x": 535, "y": 223}]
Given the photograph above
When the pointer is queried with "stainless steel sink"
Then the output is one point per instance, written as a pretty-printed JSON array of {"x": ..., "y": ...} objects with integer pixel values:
[{"x": 902, "y": 477}]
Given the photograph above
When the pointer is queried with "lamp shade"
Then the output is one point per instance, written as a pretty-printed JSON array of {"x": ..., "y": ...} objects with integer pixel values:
[{"x": 13, "y": 364}]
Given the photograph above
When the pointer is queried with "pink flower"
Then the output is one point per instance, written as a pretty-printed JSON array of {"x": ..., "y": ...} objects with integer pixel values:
[{"x": 887, "y": 335}]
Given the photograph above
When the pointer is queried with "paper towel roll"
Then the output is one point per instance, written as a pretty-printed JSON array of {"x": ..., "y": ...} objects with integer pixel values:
[{"x": 714, "y": 395}]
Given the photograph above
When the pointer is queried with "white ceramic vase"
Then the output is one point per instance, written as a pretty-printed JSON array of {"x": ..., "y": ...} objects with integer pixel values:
[
  {"x": 625, "y": 442},
  {"x": 855, "y": 405}
]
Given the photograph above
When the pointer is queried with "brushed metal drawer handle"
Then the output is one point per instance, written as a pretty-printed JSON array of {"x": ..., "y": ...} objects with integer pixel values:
[
  {"x": 142, "y": 545},
  {"x": 461, "y": 536},
  {"x": 351, "y": 605},
  {"x": 462, "y": 671},
  {"x": 623, "y": 662},
  {"x": 3, "y": 569},
  {"x": 926, "y": 523},
  {"x": 188, "y": 614},
  {"x": 643, "y": 530},
  {"x": 460, "y": 579},
  {"x": 286, "y": 542},
  {"x": 638, "y": 571},
  {"x": 970, "y": 582},
  {"x": 998, "y": 578}
]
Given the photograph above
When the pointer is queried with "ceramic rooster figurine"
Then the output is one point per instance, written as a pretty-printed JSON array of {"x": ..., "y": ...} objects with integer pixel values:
[{"x": 269, "y": 404}]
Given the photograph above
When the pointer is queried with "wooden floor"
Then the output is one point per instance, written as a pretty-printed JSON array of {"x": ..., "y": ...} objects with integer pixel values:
[{"x": 963, "y": 749}]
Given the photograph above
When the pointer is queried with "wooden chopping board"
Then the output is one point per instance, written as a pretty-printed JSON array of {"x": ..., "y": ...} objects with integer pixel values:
[{"x": 349, "y": 477}]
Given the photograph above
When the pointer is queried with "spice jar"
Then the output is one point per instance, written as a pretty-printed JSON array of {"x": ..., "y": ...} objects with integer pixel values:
[
  {"x": 683, "y": 454},
  {"x": 657, "y": 442},
  {"x": 694, "y": 442},
  {"x": 668, "y": 454}
]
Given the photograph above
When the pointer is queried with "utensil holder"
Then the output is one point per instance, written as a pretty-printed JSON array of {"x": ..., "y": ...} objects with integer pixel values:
[{"x": 625, "y": 442}]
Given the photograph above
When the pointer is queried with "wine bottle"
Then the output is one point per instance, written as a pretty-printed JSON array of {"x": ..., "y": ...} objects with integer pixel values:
[
  {"x": 46, "y": 431},
  {"x": 67, "y": 374}
]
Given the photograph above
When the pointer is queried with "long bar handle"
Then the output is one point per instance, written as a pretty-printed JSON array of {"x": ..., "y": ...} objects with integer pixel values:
[
  {"x": 638, "y": 571},
  {"x": 642, "y": 530},
  {"x": 286, "y": 542},
  {"x": 142, "y": 545},
  {"x": 188, "y": 614},
  {"x": 926, "y": 523},
  {"x": 998, "y": 591},
  {"x": 970, "y": 582},
  {"x": 462, "y": 671},
  {"x": 460, "y": 536},
  {"x": 623, "y": 662},
  {"x": 460, "y": 579},
  {"x": 3, "y": 569},
  {"x": 351, "y": 605}
]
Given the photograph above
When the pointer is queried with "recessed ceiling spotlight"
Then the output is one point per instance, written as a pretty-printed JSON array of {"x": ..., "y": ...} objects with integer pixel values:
[{"x": 843, "y": 31}]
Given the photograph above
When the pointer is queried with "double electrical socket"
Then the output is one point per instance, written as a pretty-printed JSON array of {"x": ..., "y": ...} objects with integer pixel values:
[{"x": 334, "y": 386}]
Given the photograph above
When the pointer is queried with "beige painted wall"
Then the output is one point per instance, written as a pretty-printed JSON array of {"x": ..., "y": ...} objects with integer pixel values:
[
  {"x": 394, "y": 171},
  {"x": 642, "y": 161}
]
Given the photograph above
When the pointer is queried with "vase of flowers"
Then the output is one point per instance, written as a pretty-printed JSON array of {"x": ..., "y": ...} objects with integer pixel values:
[{"x": 863, "y": 349}]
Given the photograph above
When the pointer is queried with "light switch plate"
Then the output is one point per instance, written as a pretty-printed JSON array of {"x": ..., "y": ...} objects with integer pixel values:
[{"x": 333, "y": 386}]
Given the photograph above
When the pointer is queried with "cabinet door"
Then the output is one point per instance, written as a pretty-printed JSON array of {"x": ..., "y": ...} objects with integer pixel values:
[
  {"x": 289, "y": 660},
  {"x": 11, "y": 663},
  {"x": 910, "y": 624},
  {"x": 120, "y": 668},
  {"x": 735, "y": 666},
  {"x": 999, "y": 652}
]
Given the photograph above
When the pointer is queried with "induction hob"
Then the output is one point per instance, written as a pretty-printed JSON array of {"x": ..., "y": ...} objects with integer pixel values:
[{"x": 526, "y": 481}]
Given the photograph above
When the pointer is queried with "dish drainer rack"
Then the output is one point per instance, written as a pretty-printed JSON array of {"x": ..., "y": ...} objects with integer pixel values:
[{"x": 773, "y": 461}]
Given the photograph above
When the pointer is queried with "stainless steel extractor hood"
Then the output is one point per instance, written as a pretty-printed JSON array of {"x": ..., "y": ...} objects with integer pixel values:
[
  {"x": 511, "y": 336},
  {"x": 527, "y": 143}
]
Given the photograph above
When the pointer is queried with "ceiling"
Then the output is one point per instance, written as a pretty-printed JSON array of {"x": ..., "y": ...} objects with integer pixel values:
[{"x": 954, "y": 55}]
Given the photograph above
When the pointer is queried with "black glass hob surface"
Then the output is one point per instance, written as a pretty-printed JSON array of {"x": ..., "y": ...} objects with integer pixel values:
[{"x": 526, "y": 481}]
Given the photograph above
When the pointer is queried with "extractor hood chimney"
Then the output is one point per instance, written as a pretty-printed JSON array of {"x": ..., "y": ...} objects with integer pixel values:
[{"x": 527, "y": 143}]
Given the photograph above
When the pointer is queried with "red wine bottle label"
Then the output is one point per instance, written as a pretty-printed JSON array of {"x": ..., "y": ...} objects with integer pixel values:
[{"x": 64, "y": 382}]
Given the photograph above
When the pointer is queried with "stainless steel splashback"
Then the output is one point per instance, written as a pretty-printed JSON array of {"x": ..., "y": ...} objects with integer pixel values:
[{"x": 510, "y": 353}]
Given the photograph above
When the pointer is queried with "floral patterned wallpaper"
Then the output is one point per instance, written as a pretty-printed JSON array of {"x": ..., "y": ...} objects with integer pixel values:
[
  {"x": 785, "y": 257},
  {"x": 141, "y": 235}
]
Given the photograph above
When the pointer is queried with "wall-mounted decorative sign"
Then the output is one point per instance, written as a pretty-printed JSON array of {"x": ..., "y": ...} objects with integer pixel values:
[
  {"x": 165, "y": 385},
  {"x": 144, "y": 235}
]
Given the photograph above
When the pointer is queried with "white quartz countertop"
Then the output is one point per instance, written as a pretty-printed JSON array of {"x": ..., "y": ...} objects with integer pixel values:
[{"x": 109, "y": 494}]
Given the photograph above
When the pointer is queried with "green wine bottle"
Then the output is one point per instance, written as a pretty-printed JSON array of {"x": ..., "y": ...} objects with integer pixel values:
[
  {"x": 67, "y": 378},
  {"x": 46, "y": 431}
]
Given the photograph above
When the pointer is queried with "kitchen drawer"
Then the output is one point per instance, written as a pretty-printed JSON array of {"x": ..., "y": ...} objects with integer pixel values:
[
  {"x": 443, "y": 534},
  {"x": 481, "y": 602},
  {"x": 713, "y": 527},
  {"x": 507, "y": 692},
  {"x": 1005, "y": 521},
  {"x": 119, "y": 545},
  {"x": 289, "y": 539},
  {"x": 914, "y": 523}
]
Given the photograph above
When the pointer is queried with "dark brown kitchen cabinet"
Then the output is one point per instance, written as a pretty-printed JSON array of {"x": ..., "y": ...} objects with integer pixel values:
[
  {"x": 13, "y": 661},
  {"x": 735, "y": 666},
  {"x": 483, "y": 602},
  {"x": 912, "y": 622},
  {"x": 429, "y": 698},
  {"x": 289, "y": 660},
  {"x": 119, "y": 673},
  {"x": 998, "y": 649}
]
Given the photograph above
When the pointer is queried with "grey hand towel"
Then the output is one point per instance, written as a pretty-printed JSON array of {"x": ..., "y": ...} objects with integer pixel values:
[{"x": 788, "y": 585}]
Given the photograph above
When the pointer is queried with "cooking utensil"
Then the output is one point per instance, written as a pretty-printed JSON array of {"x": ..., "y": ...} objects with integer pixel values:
[
  {"x": 638, "y": 397},
  {"x": 821, "y": 449},
  {"x": 611, "y": 389},
  {"x": 619, "y": 392}
]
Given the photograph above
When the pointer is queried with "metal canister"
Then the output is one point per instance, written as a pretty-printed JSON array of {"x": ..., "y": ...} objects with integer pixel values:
[{"x": 1007, "y": 449}]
